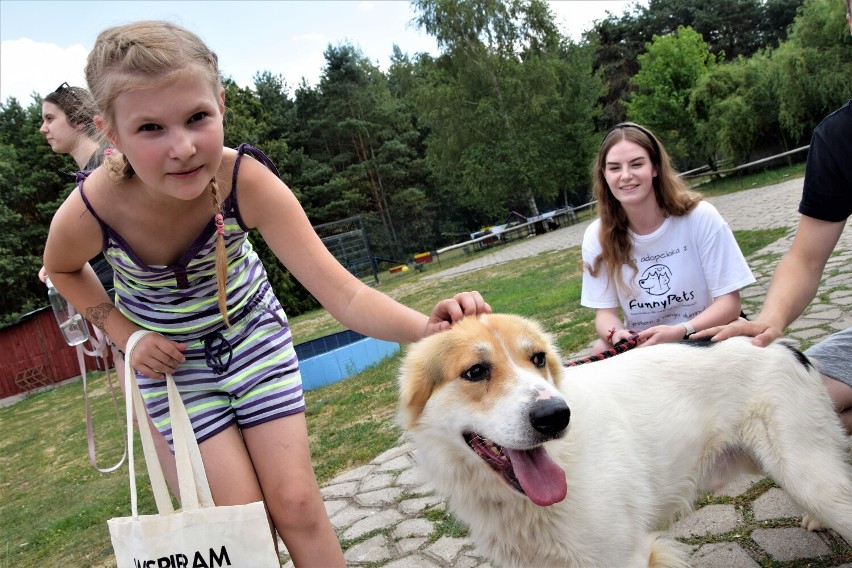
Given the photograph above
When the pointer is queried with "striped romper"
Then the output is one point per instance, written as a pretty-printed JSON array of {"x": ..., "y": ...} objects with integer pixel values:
[{"x": 247, "y": 374}]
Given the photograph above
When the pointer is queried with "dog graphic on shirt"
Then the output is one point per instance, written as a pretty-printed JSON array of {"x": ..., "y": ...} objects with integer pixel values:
[{"x": 655, "y": 280}]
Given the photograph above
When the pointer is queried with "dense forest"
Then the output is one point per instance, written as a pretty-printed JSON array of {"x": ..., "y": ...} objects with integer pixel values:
[{"x": 507, "y": 117}]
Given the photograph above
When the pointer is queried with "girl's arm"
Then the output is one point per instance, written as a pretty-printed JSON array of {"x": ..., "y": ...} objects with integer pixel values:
[
  {"x": 724, "y": 309},
  {"x": 73, "y": 239},
  {"x": 269, "y": 205},
  {"x": 607, "y": 320},
  {"x": 724, "y": 266}
]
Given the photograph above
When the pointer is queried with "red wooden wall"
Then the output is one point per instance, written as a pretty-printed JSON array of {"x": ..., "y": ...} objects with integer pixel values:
[{"x": 36, "y": 340}]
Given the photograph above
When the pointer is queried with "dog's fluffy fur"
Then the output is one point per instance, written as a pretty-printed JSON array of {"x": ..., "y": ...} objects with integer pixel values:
[{"x": 496, "y": 420}]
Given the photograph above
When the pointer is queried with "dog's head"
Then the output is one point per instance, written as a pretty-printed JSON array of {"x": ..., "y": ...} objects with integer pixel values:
[{"x": 490, "y": 384}]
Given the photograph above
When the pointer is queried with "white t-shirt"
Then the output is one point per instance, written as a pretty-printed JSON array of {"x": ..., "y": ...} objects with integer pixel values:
[{"x": 682, "y": 266}]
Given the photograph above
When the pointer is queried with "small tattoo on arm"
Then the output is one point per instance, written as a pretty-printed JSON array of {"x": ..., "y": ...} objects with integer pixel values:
[{"x": 98, "y": 315}]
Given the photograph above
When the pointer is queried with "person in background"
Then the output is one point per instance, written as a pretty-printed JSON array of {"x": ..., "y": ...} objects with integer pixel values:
[
  {"x": 658, "y": 253},
  {"x": 68, "y": 126},
  {"x": 825, "y": 207},
  {"x": 172, "y": 209}
]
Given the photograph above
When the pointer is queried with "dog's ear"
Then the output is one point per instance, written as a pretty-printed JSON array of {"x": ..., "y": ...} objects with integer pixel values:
[
  {"x": 422, "y": 370},
  {"x": 414, "y": 388}
]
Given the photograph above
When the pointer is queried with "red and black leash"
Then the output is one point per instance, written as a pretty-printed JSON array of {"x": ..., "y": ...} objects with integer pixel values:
[{"x": 620, "y": 347}]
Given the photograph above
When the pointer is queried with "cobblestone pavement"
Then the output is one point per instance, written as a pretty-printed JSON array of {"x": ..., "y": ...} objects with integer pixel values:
[{"x": 382, "y": 506}]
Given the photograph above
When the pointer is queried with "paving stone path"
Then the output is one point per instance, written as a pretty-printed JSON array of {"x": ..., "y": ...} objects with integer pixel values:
[{"x": 382, "y": 507}]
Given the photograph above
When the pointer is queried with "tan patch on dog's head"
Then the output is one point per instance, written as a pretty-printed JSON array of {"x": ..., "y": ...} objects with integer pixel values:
[{"x": 489, "y": 344}]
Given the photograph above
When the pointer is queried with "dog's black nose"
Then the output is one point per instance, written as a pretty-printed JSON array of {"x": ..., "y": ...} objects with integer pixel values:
[{"x": 550, "y": 416}]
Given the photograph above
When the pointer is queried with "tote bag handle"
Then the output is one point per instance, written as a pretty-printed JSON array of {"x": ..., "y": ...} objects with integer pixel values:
[{"x": 192, "y": 478}]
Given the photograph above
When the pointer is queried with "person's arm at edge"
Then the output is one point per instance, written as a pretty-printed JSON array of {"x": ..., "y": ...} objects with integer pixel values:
[
  {"x": 793, "y": 286},
  {"x": 74, "y": 237}
]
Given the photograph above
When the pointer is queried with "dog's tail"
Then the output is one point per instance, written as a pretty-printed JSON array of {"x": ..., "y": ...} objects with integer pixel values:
[{"x": 668, "y": 553}]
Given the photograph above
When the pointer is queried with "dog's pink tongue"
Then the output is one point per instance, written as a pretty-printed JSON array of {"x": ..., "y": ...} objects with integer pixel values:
[{"x": 543, "y": 481}]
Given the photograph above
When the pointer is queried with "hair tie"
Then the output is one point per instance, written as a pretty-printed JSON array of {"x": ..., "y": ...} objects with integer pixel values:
[{"x": 220, "y": 223}]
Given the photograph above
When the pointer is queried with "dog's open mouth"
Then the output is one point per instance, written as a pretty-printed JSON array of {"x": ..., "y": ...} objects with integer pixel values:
[{"x": 530, "y": 472}]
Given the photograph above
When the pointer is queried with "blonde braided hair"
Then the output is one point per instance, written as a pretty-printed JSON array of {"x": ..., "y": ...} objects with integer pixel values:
[
  {"x": 221, "y": 252},
  {"x": 117, "y": 166}
]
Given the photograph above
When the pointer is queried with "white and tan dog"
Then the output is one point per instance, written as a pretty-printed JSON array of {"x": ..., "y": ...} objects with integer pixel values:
[{"x": 581, "y": 466}]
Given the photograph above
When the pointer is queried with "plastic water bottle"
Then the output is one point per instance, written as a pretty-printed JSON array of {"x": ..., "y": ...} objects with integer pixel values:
[{"x": 73, "y": 327}]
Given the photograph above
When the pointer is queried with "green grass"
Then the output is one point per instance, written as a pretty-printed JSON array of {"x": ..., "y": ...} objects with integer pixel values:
[
  {"x": 752, "y": 241},
  {"x": 351, "y": 422},
  {"x": 54, "y": 505},
  {"x": 732, "y": 182}
]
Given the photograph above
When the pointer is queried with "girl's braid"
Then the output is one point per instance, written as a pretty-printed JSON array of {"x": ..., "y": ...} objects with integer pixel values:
[
  {"x": 221, "y": 252},
  {"x": 117, "y": 166}
]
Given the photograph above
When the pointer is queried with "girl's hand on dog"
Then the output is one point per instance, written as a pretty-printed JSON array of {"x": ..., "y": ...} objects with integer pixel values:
[
  {"x": 447, "y": 312},
  {"x": 660, "y": 334}
]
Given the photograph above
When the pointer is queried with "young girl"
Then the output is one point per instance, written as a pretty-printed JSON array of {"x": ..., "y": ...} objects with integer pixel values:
[
  {"x": 658, "y": 252},
  {"x": 171, "y": 209},
  {"x": 68, "y": 125}
]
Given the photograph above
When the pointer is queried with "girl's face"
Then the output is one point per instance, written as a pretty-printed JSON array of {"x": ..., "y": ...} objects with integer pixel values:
[
  {"x": 60, "y": 135},
  {"x": 172, "y": 135},
  {"x": 630, "y": 173}
]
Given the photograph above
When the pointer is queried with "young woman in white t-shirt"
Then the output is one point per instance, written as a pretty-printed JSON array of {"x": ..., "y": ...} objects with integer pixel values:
[{"x": 659, "y": 261}]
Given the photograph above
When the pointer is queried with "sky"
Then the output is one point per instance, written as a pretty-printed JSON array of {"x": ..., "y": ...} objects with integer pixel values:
[{"x": 45, "y": 42}]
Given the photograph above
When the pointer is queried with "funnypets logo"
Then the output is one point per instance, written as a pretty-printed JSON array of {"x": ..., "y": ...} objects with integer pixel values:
[
  {"x": 179, "y": 560},
  {"x": 669, "y": 300}
]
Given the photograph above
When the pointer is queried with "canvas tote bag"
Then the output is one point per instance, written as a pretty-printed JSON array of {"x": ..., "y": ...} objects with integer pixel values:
[{"x": 200, "y": 534}]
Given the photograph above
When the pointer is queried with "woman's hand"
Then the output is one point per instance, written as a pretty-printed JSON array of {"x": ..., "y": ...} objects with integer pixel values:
[
  {"x": 621, "y": 335},
  {"x": 155, "y": 356},
  {"x": 763, "y": 333},
  {"x": 661, "y": 334},
  {"x": 448, "y": 312}
]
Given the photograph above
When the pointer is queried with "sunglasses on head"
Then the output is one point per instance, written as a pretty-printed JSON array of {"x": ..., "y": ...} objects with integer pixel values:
[{"x": 65, "y": 88}]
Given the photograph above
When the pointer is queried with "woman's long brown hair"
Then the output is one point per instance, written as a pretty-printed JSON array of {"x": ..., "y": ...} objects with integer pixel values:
[{"x": 672, "y": 194}]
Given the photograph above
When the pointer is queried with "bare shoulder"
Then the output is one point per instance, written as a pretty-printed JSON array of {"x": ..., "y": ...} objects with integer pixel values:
[
  {"x": 75, "y": 235},
  {"x": 251, "y": 172},
  {"x": 261, "y": 194},
  {"x": 74, "y": 210}
]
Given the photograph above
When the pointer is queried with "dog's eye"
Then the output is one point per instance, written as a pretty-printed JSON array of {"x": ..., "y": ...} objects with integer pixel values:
[
  {"x": 477, "y": 373},
  {"x": 539, "y": 359}
]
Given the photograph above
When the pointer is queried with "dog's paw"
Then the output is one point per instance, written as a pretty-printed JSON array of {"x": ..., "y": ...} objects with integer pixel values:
[{"x": 811, "y": 524}]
